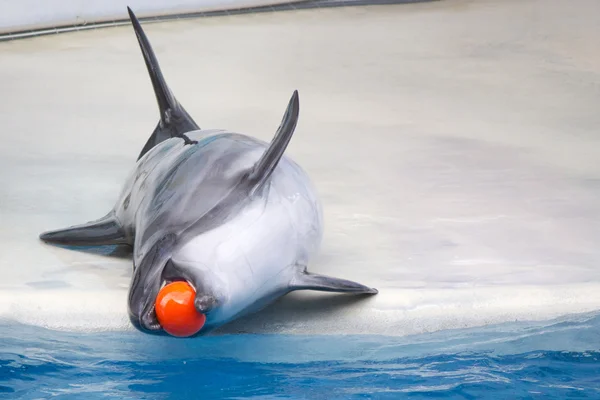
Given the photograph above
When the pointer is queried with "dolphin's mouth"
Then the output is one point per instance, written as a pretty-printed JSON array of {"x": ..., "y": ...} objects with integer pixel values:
[
  {"x": 148, "y": 319},
  {"x": 146, "y": 289}
]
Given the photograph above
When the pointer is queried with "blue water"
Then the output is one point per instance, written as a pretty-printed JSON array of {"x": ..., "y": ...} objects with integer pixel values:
[{"x": 553, "y": 360}]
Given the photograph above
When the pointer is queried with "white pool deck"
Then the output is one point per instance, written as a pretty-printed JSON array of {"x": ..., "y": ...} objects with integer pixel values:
[{"x": 455, "y": 144}]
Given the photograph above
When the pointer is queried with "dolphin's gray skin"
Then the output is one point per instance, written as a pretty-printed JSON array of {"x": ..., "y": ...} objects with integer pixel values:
[{"x": 228, "y": 213}]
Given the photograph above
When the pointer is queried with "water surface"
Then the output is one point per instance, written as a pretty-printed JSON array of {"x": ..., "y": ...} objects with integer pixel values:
[{"x": 558, "y": 360}]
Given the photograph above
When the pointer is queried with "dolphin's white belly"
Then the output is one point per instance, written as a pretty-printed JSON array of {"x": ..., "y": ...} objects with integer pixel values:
[{"x": 256, "y": 252}]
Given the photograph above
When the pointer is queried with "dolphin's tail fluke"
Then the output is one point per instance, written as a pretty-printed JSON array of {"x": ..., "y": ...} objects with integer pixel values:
[
  {"x": 265, "y": 166},
  {"x": 174, "y": 120},
  {"x": 105, "y": 231}
]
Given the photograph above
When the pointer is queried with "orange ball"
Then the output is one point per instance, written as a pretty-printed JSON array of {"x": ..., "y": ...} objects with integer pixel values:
[{"x": 176, "y": 312}]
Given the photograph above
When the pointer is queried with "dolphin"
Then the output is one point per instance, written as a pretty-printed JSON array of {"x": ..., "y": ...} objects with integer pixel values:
[{"x": 230, "y": 214}]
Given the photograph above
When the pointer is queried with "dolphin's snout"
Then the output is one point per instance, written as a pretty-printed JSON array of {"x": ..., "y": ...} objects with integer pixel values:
[
  {"x": 143, "y": 313},
  {"x": 205, "y": 303}
]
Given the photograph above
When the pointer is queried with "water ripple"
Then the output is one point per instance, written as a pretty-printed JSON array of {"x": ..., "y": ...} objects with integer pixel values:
[{"x": 553, "y": 360}]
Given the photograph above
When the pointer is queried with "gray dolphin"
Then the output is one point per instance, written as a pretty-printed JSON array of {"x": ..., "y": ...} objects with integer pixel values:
[{"x": 229, "y": 214}]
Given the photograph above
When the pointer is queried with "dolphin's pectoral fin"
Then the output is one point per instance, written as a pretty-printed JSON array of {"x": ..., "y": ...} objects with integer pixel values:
[
  {"x": 265, "y": 166},
  {"x": 146, "y": 282},
  {"x": 174, "y": 120},
  {"x": 105, "y": 231},
  {"x": 307, "y": 281}
]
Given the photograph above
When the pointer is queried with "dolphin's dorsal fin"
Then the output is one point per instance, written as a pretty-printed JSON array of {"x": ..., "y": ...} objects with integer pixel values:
[
  {"x": 264, "y": 167},
  {"x": 105, "y": 231},
  {"x": 174, "y": 120}
]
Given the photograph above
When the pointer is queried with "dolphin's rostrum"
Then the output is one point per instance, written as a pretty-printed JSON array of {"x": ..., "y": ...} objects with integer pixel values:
[{"x": 230, "y": 214}]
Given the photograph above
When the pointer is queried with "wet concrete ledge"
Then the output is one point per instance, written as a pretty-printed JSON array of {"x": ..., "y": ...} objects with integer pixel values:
[{"x": 295, "y": 5}]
